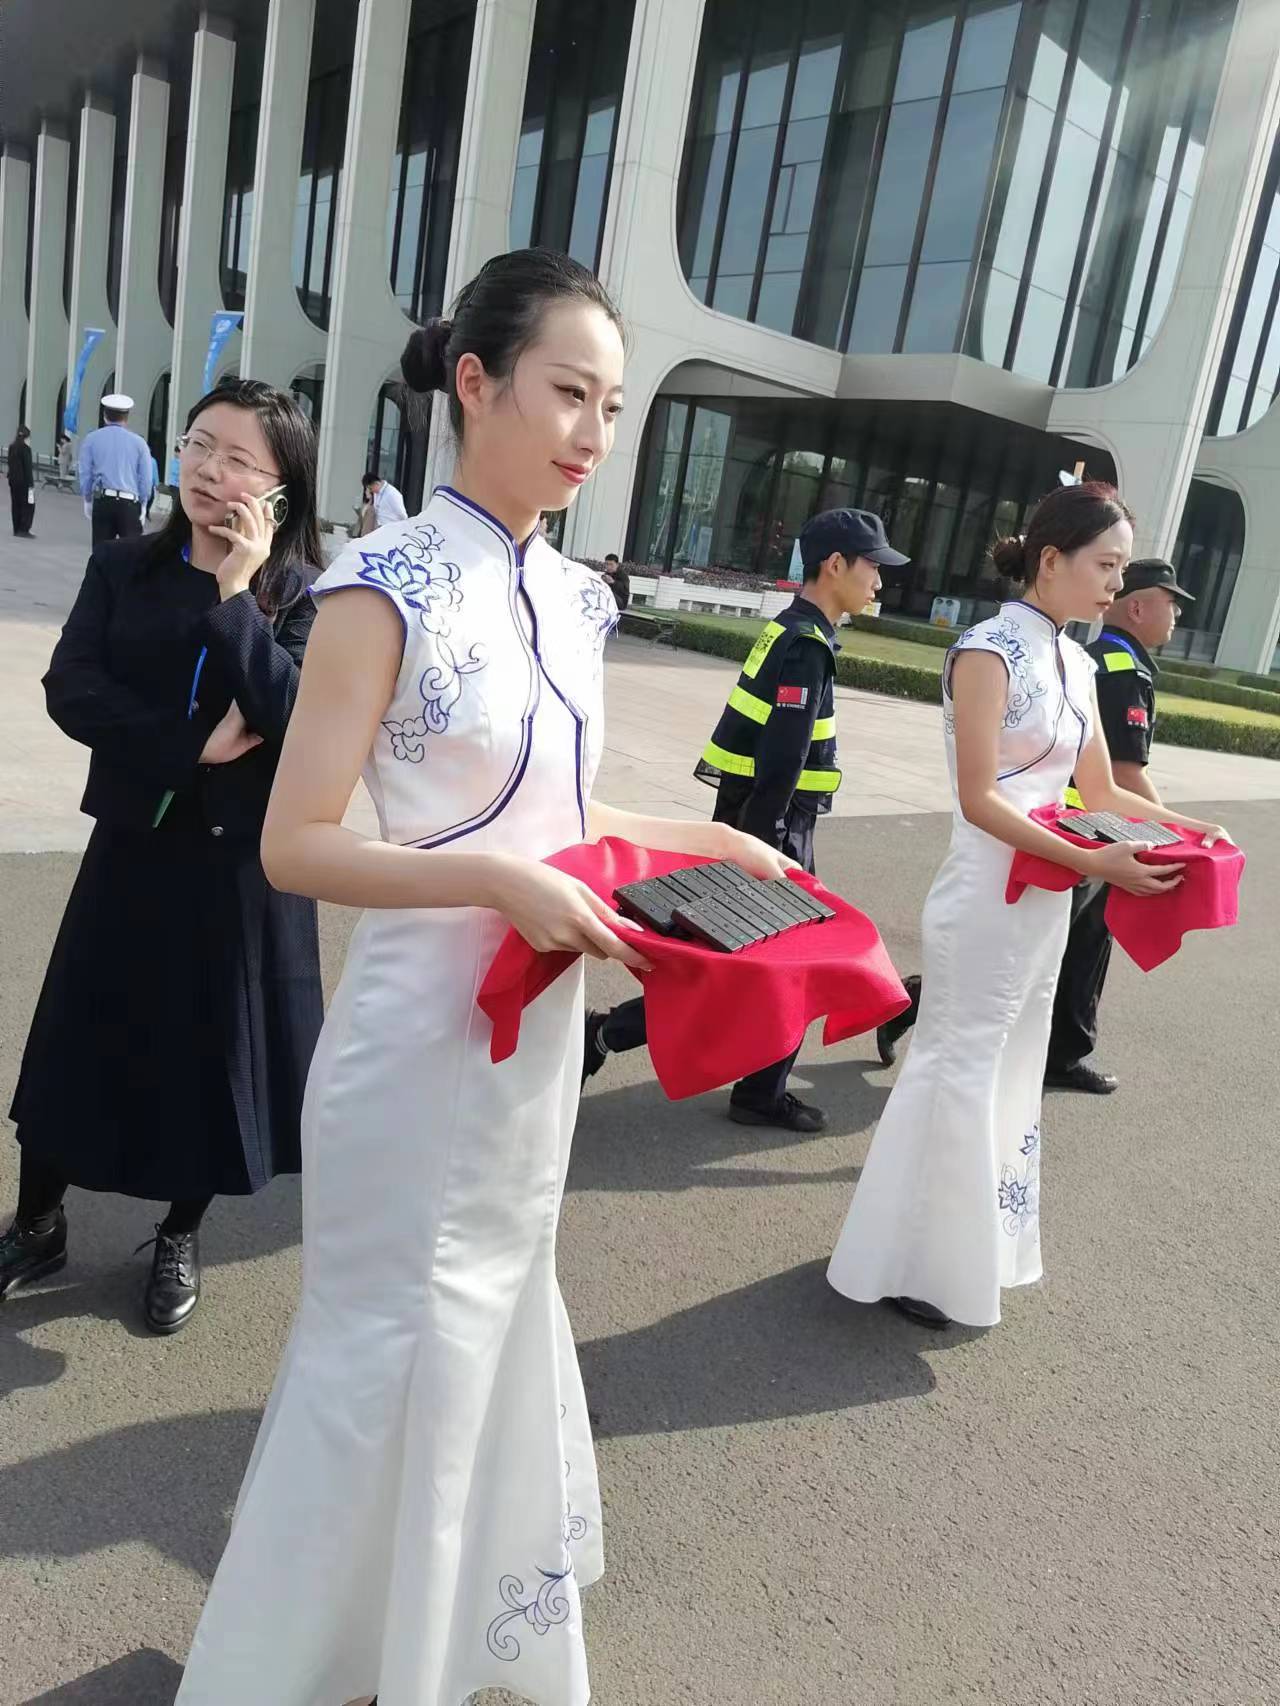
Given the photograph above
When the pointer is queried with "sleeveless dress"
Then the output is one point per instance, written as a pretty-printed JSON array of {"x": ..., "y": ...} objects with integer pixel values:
[
  {"x": 421, "y": 1510},
  {"x": 947, "y": 1208}
]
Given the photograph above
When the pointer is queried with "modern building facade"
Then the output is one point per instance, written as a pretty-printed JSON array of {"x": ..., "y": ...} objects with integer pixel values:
[{"x": 916, "y": 254}]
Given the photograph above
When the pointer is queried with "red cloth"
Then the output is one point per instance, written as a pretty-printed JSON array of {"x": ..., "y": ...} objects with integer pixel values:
[
  {"x": 713, "y": 1017},
  {"x": 1149, "y": 928}
]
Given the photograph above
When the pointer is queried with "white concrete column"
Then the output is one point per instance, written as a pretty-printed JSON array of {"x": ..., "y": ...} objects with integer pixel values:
[
  {"x": 279, "y": 340},
  {"x": 500, "y": 44},
  {"x": 15, "y": 192},
  {"x": 145, "y": 341},
  {"x": 90, "y": 244},
  {"x": 367, "y": 329},
  {"x": 1249, "y": 463},
  {"x": 213, "y": 63},
  {"x": 47, "y": 342},
  {"x": 1153, "y": 419},
  {"x": 640, "y": 264}
]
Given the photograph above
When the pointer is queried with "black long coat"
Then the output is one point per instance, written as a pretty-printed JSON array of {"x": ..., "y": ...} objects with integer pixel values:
[{"x": 170, "y": 1046}]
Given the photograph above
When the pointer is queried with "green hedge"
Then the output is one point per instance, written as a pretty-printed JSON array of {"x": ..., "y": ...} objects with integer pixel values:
[
  {"x": 1221, "y": 692},
  {"x": 923, "y": 633},
  {"x": 1262, "y": 683},
  {"x": 904, "y": 681}
]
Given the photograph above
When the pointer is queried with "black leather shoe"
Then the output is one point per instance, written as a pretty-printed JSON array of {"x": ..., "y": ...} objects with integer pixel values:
[
  {"x": 892, "y": 1032},
  {"x": 790, "y": 1114},
  {"x": 29, "y": 1256},
  {"x": 923, "y": 1314},
  {"x": 173, "y": 1289},
  {"x": 1083, "y": 1078},
  {"x": 595, "y": 1050}
]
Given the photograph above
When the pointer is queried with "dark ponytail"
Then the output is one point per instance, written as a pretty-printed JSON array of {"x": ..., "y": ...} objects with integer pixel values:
[
  {"x": 496, "y": 318},
  {"x": 1069, "y": 518}
]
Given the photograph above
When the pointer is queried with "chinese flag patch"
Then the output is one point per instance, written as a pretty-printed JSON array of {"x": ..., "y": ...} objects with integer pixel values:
[
  {"x": 794, "y": 697},
  {"x": 1138, "y": 716}
]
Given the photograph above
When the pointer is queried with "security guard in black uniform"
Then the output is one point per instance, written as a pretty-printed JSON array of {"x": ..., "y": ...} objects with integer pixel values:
[
  {"x": 1141, "y": 619},
  {"x": 772, "y": 760}
]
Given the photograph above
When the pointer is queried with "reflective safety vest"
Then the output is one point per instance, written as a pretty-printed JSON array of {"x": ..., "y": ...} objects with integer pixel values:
[
  {"x": 1114, "y": 656},
  {"x": 731, "y": 751}
]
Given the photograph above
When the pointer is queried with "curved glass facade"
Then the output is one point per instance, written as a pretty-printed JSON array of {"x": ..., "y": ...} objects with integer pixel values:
[
  {"x": 1207, "y": 557},
  {"x": 425, "y": 169},
  {"x": 1010, "y": 179},
  {"x": 175, "y": 164},
  {"x": 324, "y": 144},
  {"x": 237, "y": 205},
  {"x": 729, "y": 483},
  {"x": 577, "y": 68},
  {"x": 1249, "y": 378}
]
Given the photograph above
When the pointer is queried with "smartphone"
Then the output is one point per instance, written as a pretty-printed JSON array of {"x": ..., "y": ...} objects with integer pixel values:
[{"x": 277, "y": 507}]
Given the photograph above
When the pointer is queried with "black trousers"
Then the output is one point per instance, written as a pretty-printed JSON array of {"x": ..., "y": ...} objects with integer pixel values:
[
  {"x": 116, "y": 518},
  {"x": 1074, "y": 1033},
  {"x": 623, "y": 1029},
  {"x": 22, "y": 511}
]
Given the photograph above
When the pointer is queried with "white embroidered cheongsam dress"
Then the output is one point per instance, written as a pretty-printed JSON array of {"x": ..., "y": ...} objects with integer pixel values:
[
  {"x": 421, "y": 1509},
  {"x": 947, "y": 1208}
]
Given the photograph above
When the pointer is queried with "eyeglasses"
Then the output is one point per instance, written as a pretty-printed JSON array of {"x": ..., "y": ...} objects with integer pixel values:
[{"x": 198, "y": 450}]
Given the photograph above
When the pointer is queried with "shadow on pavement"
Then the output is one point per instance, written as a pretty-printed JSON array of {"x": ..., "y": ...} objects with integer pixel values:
[
  {"x": 144, "y": 1678},
  {"x": 784, "y": 1346},
  {"x": 635, "y": 1139}
]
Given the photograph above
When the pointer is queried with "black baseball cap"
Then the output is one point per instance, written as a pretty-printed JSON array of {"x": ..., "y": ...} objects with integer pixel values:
[
  {"x": 1146, "y": 572},
  {"x": 852, "y": 533}
]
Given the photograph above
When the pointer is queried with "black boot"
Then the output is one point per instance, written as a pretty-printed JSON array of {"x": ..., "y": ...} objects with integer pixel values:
[
  {"x": 790, "y": 1114},
  {"x": 892, "y": 1032},
  {"x": 917, "y": 1310},
  {"x": 595, "y": 1051},
  {"x": 26, "y": 1256},
  {"x": 173, "y": 1290}
]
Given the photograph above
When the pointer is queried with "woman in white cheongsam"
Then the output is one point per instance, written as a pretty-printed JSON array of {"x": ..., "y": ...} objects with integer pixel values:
[
  {"x": 947, "y": 1210},
  {"x": 421, "y": 1509}
]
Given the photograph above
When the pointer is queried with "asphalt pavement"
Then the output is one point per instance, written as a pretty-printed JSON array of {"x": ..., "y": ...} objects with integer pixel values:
[{"x": 808, "y": 1502}]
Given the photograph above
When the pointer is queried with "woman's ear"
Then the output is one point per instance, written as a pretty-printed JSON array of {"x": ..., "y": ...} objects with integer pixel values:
[{"x": 471, "y": 382}]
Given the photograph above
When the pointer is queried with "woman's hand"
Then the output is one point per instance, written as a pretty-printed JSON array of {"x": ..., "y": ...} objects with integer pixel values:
[
  {"x": 1212, "y": 832},
  {"x": 250, "y": 541},
  {"x": 1120, "y": 866},
  {"x": 230, "y": 740},
  {"x": 756, "y": 857},
  {"x": 558, "y": 914}
]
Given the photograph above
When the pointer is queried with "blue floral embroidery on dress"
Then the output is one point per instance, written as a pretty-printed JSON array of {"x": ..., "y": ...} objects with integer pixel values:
[
  {"x": 1019, "y": 1196},
  {"x": 1023, "y": 690},
  {"x": 415, "y": 572},
  {"x": 1031, "y": 1142},
  {"x": 597, "y": 608},
  {"x": 542, "y": 1610}
]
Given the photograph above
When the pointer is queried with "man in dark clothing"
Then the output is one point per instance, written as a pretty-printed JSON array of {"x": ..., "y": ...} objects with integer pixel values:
[
  {"x": 1142, "y": 618},
  {"x": 22, "y": 484},
  {"x": 772, "y": 760},
  {"x": 618, "y": 581}
]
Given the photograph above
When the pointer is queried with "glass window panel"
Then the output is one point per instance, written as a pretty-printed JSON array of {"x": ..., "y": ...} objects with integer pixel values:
[
  {"x": 779, "y": 293},
  {"x": 1100, "y": 43},
  {"x": 922, "y": 68},
  {"x": 708, "y": 200},
  {"x": 986, "y": 48},
  {"x": 1233, "y": 415},
  {"x": 588, "y": 212},
  {"x": 1050, "y": 63},
  {"x": 872, "y": 68},
  {"x": 1065, "y": 213},
  {"x": 1169, "y": 259},
  {"x": 804, "y": 193},
  {"x": 816, "y": 73},
  {"x": 1024, "y": 188},
  {"x": 999, "y": 295},
  {"x": 960, "y": 186},
  {"x": 875, "y": 315},
  {"x": 901, "y": 182},
  {"x": 806, "y": 138},
  {"x": 766, "y": 85},
  {"x": 936, "y": 303},
  {"x": 1038, "y": 335},
  {"x": 745, "y": 214},
  {"x": 733, "y": 293}
]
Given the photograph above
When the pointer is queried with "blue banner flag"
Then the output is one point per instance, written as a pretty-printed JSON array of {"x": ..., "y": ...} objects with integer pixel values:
[
  {"x": 93, "y": 336},
  {"x": 221, "y": 327}
]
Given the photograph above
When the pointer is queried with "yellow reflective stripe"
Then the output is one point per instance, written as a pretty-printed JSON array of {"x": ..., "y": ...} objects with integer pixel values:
[
  {"x": 1116, "y": 661},
  {"x": 824, "y": 728},
  {"x": 757, "y": 709},
  {"x": 819, "y": 781},
  {"x": 732, "y": 763},
  {"x": 760, "y": 651},
  {"x": 1072, "y": 798}
]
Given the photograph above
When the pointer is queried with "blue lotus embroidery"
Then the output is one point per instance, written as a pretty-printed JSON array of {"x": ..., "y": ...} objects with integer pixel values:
[
  {"x": 1031, "y": 1142},
  {"x": 1019, "y": 1196},
  {"x": 542, "y": 1608},
  {"x": 597, "y": 608}
]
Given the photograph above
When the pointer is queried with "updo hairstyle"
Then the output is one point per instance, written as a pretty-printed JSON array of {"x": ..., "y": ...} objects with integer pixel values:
[{"x": 1068, "y": 518}]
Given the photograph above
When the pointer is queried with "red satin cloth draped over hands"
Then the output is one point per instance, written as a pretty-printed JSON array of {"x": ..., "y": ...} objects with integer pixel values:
[
  {"x": 1149, "y": 928},
  {"x": 713, "y": 1017}
]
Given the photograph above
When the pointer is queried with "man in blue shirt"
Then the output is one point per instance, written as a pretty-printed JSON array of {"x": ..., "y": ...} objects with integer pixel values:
[{"x": 115, "y": 474}]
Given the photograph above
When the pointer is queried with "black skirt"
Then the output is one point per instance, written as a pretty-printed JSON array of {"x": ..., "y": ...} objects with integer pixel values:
[{"x": 170, "y": 1046}]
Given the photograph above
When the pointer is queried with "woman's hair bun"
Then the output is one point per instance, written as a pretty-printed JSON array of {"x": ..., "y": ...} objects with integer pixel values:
[
  {"x": 423, "y": 361},
  {"x": 1010, "y": 556}
]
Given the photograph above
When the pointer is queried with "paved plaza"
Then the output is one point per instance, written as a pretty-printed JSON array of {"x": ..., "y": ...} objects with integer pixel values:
[{"x": 807, "y": 1503}]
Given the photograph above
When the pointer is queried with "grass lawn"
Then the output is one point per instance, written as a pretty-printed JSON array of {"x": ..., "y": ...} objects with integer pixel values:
[{"x": 858, "y": 643}]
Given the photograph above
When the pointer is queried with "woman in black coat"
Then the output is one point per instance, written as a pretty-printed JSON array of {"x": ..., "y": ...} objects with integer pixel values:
[
  {"x": 22, "y": 482},
  {"x": 170, "y": 1045}
]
